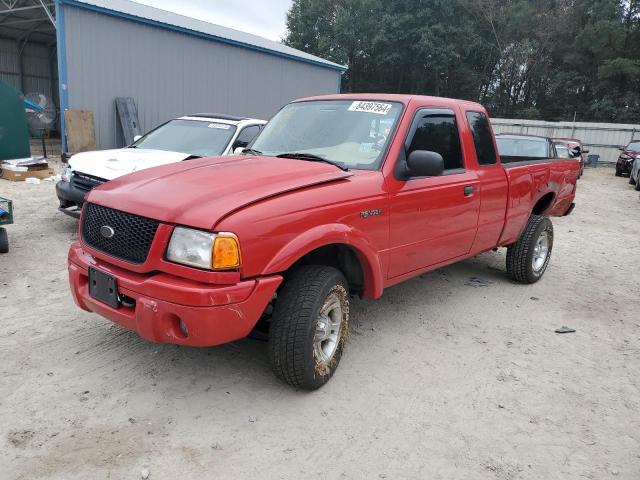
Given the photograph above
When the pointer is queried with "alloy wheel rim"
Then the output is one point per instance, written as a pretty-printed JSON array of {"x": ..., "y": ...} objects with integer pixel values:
[
  {"x": 328, "y": 325},
  {"x": 540, "y": 252}
]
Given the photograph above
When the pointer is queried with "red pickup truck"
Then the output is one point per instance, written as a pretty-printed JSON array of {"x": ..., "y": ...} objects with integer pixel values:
[{"x": 339, "y": 195}]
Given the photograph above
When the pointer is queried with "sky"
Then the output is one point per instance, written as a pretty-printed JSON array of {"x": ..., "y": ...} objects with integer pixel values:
[{"x": 261, "y": 17}]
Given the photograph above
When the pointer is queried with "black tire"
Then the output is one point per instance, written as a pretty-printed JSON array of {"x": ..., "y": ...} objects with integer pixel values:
[
  {"x": 618, "y": 173},
  {"x": 294, "y": 322},
  {"x": 4, "y": 241},
  {"x": 520, "y": 254},
  {"x": 637, "y": 186},
  {"x": 631, "y": 180}
]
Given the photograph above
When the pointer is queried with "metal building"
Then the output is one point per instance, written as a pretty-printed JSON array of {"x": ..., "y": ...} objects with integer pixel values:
[{"x": 170, "y": 64}]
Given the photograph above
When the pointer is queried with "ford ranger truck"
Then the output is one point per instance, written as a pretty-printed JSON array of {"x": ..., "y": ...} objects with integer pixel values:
[{"x": 339, "y": 195}]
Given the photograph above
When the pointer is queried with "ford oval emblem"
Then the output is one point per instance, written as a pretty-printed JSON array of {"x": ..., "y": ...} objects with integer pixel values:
[{"x": 107, "y": 232}]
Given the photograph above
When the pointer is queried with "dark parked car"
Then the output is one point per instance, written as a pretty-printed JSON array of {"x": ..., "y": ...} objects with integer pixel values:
[
  {"x": 576, "y": 150},
  {"x": 624, "y": 165}
]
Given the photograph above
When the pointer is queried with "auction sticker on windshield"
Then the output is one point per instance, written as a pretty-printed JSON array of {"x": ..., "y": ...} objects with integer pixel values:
[
  {"x": 370, "y": 107},
  {"x": 222, "y": 126}
]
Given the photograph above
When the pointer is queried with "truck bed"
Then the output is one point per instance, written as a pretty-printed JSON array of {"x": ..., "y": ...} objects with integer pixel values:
[{"x": 547, "y": 184}]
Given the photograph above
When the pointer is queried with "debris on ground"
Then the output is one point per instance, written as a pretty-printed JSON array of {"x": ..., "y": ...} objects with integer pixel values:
[
  {"x": 478, "y": 282},
  {"x": 564, "y": 330}
]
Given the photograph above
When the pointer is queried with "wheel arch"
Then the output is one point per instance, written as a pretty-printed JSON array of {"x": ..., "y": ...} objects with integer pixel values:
[
  {"x": 336, "y": 245},
  {"x": 543, "y": 203}
]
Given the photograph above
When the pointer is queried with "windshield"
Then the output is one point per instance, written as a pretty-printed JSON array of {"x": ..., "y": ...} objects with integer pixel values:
[
  {"x": 522, "y": 147},
  {"x": 353, "y": 134},
  {"x": 194, "y": 137},
  {"x": 635, "y": 146}
]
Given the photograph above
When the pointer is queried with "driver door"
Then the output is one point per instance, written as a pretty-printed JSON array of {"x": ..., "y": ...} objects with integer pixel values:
[{"x": 434, "y": 219}]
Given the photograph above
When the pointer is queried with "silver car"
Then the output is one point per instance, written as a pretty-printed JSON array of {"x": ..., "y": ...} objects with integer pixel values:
[{"x": 634, "y": 176}]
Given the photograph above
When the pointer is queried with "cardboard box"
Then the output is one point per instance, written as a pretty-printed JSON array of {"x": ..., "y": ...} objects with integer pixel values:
[{"x": 41, "y": 173}]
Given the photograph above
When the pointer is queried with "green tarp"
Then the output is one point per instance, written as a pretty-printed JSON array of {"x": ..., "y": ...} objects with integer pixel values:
[{"x": 14, "y": 134}]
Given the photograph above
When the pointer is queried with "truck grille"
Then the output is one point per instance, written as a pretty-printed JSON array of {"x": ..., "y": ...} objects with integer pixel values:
[
  {"x": 85, "y": 182},
  {"x": 132, "y": 235}
]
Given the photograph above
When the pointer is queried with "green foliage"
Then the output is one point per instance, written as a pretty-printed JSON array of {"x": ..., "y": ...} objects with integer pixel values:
[{"x": 545, "y": 59}]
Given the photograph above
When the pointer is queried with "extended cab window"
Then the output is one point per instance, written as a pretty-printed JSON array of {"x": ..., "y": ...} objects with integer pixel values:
[
  {"x": 436, "y": 131},
  {"x": 482, "y": 138}
]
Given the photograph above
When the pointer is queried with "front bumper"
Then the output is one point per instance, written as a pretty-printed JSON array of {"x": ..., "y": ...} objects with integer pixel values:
[
  {"x": 71, "y": 198},
  {"x": 165, "y": 304}
]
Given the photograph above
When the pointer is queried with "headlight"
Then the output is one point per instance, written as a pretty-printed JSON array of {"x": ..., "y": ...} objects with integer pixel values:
[
  {"x": 66, "y": 174},
  {"x": 196, "y": 248}
]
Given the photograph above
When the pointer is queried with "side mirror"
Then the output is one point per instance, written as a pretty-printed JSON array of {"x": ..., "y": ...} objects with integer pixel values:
[
  {"x": 575, "y": 152},
  {"x": 238, "y": 150},
  {"x": 423, "y": 163},
  {"x": 136, "y": 138}
]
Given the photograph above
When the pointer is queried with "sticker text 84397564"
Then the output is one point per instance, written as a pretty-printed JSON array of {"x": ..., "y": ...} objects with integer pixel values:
[{"x": 370, "y": 107}]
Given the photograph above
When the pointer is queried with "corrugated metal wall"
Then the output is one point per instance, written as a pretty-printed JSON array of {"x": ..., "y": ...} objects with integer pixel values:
[
  {"x": 171, "y": 74},
  {"x": 37, "y": 68},
  {"x": 599, "y": 138}
]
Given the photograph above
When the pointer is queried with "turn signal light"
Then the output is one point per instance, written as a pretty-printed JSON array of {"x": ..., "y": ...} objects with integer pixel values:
[{"x": 226, "y": 252}]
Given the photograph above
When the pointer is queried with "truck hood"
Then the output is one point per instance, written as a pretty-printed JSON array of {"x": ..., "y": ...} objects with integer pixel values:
[
  {"x": 110, "y": 164},
  {"x": 199, "y": 193}
]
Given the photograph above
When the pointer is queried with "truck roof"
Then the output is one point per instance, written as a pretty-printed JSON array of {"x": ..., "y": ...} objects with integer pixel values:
[{"x": 393, "y": 97}]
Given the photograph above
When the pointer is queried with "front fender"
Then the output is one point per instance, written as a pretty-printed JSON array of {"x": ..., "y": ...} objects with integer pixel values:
[{"x": 329, "y": 234}]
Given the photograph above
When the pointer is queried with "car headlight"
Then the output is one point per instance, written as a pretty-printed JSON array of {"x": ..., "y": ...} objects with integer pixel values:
[
  {"x": 66, "y": 174},
  {"x": 196, "y": 248}
]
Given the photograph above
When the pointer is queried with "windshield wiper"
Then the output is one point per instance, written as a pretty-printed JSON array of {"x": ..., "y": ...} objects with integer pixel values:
[
  {"x": 312, "y": 158},
  {"x": 251, "y": 151}
]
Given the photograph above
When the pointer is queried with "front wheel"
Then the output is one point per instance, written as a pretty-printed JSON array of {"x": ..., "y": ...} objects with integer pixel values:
[
  {"x": 528, "y": 258},
  {"x": 309, "y": 326},
  {"x": 631, "y": 180}
]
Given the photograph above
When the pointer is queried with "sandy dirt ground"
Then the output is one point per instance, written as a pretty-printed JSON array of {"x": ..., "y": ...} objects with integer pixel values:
[{"x": 456, "y": 374}]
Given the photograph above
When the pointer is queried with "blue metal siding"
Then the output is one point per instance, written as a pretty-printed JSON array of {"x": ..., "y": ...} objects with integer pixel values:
[{"x": 63, "y": 88}]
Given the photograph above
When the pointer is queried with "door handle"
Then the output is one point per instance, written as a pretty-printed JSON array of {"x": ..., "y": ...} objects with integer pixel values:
[{"x": 468, "y": 190}]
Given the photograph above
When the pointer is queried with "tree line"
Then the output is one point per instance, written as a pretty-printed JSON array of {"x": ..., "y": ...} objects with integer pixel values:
[{"x": 536, "y": 59}]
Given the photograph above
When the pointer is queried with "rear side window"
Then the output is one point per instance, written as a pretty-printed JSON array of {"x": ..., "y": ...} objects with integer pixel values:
[
  {"x": 482, "y": 138},
  {"x": 437, "y": 131}
]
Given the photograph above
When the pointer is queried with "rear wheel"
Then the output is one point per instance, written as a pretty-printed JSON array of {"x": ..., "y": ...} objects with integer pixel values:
[
  {"x": 528, "y": 258},
  {"x": 4, "y": 241},
  {"x": 637, "y": 186},
  {"x": 631, "y": 180},
  {"x": 309, "y": 326}
]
